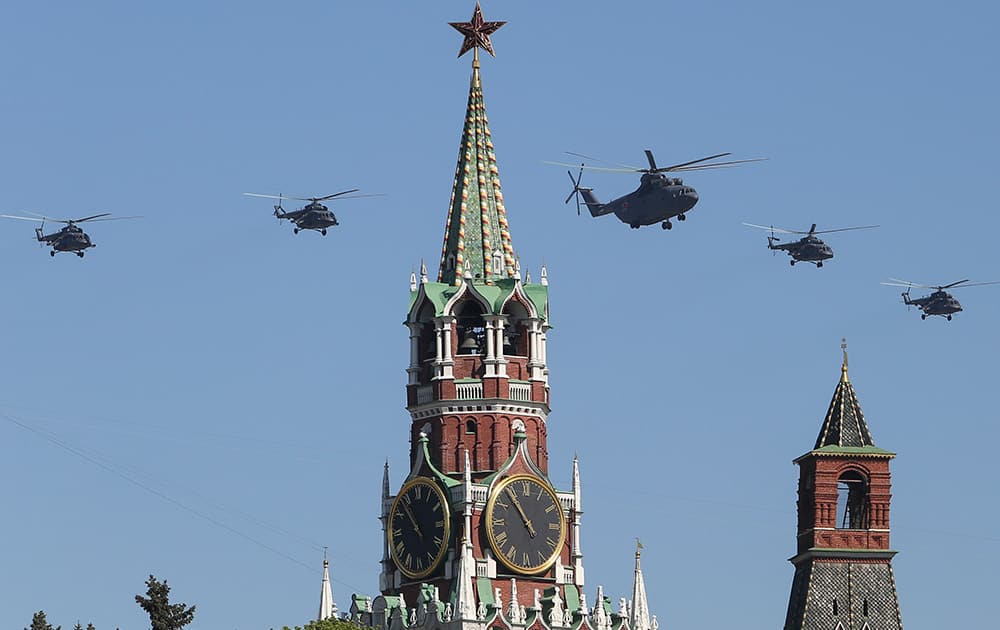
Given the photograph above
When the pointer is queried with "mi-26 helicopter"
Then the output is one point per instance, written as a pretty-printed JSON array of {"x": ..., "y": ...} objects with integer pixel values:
[
  {"x": 658, "y": 198},
  {"x": 314, "y": 215},
  {"x": 809, "y": 248},
  {"x": 940, "y": 302},
  {"x": 71, "y": 237}
]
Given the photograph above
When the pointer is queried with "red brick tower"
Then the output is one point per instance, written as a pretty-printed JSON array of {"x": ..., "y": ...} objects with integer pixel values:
[
  {"x": 843, "y": 573},
  {"x": 477, "y": 532}
]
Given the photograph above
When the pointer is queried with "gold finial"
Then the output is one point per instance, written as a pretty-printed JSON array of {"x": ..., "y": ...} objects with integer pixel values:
[
  {"x": 843, "y": 368},
  {"x": 638, "y": 548}
]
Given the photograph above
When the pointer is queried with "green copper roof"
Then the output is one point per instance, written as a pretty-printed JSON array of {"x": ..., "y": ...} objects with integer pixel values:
[
  {"x": 495, "y": 295},
  {"x": 477, "y": 229}
]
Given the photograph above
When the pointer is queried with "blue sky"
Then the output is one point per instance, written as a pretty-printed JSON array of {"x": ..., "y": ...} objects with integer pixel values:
[{"x": 211, "y": 399}]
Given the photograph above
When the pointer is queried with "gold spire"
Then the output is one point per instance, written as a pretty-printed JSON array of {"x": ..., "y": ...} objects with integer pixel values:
[
  {"x": 843, "y": 368},
  {"x": 638, "y": 549}
]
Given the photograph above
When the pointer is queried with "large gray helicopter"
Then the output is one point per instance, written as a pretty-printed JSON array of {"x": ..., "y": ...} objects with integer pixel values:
[
  {"x": 70, "y": 238},
  {"x": 314, "y": 215},
  {"x": 658, "y": 198},
  {"x": 940, "y": 302},
  {"x": 809, "y": 248}
]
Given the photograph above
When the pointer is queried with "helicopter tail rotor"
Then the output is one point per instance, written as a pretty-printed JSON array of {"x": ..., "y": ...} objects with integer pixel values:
[
  {"x": 576, "y": 188},
  {"x": 278, "y": 210}
]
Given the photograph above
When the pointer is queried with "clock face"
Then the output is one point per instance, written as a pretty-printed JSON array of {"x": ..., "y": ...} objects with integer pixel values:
[
  {"x": 525, "y": 524},
  {"x": 419, "y": 526}
]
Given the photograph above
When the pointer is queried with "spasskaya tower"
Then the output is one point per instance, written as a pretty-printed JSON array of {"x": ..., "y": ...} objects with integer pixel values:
[{"x": 477, "y": 535}]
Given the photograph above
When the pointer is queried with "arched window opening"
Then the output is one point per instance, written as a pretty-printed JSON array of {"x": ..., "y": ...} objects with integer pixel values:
[
  {"x": 427, "y": 344},
  {"x": 864, "y": 607},
  {"x": 497, "y": 263},
  {"x": 470, "y": 427},
  {"x": 515, "y": 339},
  {"x": 470, "y": 328},
  {"x": 835, "y": 611},
  {"x": 852, "y": 501}
]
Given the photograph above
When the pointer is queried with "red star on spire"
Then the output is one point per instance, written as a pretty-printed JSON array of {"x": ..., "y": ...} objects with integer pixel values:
[{"x": 477, "y": 32}]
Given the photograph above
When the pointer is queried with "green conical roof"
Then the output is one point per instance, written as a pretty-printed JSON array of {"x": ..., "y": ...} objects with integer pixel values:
[{"x": 476, "y": 235}]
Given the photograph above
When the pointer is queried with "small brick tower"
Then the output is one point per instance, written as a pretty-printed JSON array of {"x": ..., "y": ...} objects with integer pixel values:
[{"x": 843, "y": 572}]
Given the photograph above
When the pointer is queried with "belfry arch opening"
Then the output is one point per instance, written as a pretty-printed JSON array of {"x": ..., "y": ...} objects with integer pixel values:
[
  {"x": 515, "y": 337},
  {"x": 852, "y": 500},
  {"x": 470, "y": 327}
]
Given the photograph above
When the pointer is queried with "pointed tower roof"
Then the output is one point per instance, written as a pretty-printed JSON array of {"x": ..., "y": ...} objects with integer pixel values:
[
  {"x": 477, "y": 237},
  {"x": 327, "y": 607},
  {"x": 844, "y": 425},
  {"x": 640, "y": 607}
]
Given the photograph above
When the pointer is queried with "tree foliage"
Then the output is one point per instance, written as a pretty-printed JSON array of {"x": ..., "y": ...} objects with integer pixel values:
[
  {"x": 162, "y": 614},
  {"x": 326, "y": 624},
  {"x": 39, "y": 622}
]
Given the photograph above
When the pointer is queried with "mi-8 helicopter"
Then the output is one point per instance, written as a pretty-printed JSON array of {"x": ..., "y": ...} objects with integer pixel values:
[
  {"x": 657, "y": 199},
  {"x": 314, "y": 215},
  {"x": 809, "y": 248},
  {"x": 70, "y": 238},
  {"x": 940, "y": 302}
]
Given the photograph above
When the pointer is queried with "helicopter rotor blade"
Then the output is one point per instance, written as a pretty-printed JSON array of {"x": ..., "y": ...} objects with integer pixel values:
[
  {"x": 896, "y": 282},
  {"x": 771, "y": 228},
  {"x": 652, "y": 161},
  {"x": 91, "y": 218},
  {"x": 266, "y": 196},
  {"x": 35, "y": 219},
  {"x": 112, "y": 219},
  {"x": 682, "y": 164},
  {"x": 332, "y": 196},
  {"x": 705, "y": 167},
  {"x": 593, "y": 159},
  {"x": 597, "y": 168},
  {"x": 972, "y": 284},
  {"x": 863, "y": 227},
  {"x": 953, "y": 284}
]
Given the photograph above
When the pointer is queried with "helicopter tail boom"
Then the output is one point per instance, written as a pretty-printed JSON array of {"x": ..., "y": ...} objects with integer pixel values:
[{"x": 597, "y": 209}]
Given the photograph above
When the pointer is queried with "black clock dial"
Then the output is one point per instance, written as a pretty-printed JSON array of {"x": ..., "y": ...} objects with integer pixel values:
[
  {"x": 419, "y": 526},
  {"x": 525, "y": 524}
]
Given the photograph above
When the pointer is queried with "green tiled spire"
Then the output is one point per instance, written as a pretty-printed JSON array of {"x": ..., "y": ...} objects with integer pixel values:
[{"x": 476, "y": 235}]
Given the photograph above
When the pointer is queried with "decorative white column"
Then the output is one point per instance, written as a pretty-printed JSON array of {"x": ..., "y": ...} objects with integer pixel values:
[
  {"x": 577, "y": 553},
  {"x": 413, "y": 372}
]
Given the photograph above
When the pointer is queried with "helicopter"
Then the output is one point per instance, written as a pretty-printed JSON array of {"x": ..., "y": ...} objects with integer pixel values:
[
  {"x": 658, "y": 197},
  {"x": 314, "y": 215},
  {"x": 809, "y": 248},
  {"x": 70, "y": 238},
  {"x": 940, "y": 302}
]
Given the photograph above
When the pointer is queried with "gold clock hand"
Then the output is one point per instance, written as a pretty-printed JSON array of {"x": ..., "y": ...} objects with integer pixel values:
[
  {"x": 416, "y": 526},
  {"x": 520, "y": 510}
]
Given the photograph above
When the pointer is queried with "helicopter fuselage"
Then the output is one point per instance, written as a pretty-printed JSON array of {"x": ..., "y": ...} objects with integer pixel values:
[
  {"x": 806, "y": 249},
  {"x": 938, "y": 303},
  {"x": 314, "y": 216},
  {"x": 657, "y": 200},
  {"x": 69, "y": 239}
]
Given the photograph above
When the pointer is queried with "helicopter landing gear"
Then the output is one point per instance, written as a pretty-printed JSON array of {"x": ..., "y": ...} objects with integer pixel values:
[
  {"x": 295, "y": 230},
  {"x": 681, "y": 217},
  {"x": 52, "y": 253},
  {"x": 634, "y": 226},
  {"x": 792, "y": 262},
  {"x": 667, "y": 225},
  {"x": 923, "y": 316},
  {"x": 323, "y": 231},
  {"x": 819, "y": 264},
  {"x": 948, "y": 318},
  {"x": 80, "y": 254}
]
